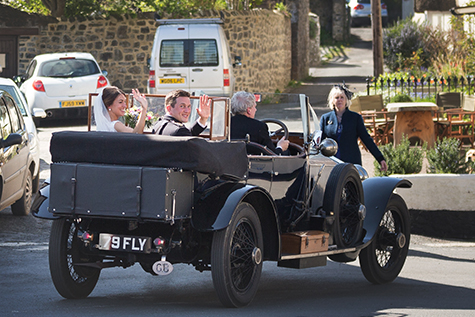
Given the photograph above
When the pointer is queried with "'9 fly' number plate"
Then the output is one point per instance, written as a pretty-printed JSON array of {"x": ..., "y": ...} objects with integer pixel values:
[{"x": 115, "y": 242}]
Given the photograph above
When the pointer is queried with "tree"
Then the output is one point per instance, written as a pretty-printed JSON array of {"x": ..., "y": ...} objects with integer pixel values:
[{"x": 56, "y": 7}]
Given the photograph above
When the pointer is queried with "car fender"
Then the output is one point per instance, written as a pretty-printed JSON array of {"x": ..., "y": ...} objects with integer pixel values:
[
  {"x": 214, "y": 212},
  {"x": 39, "y": 207},
  {"x": 377, "y": 191}
]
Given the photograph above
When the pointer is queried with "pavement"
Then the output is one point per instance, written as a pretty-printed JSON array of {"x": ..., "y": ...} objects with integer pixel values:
[{"x": 351, "y": 65}]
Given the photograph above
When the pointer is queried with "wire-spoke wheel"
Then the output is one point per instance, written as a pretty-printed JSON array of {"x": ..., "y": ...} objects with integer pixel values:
[
  {"x": 236, "y": 258},
  {"x": 69, "y": 279},
  {"x": 382, "y": 261},
  {"x": 344, "y": 197}
]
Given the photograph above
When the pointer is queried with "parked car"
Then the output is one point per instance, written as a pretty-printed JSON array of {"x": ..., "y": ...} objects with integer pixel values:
[
  {"x": 360, "y": 12},
  {"x": 60, "y": 83},
  {"x": 17, "y": 163},
  {"x": 226, "y": 208},
  {"x": 191, "y": 54},
  {"x": 9, "y": 86}
]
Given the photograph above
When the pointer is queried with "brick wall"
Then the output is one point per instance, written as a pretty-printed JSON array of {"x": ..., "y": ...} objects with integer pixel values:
[{"x": 123, "y": 44}]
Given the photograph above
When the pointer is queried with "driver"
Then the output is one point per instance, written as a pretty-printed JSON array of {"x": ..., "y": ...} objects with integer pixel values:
[{"x": 243, "y": 108}]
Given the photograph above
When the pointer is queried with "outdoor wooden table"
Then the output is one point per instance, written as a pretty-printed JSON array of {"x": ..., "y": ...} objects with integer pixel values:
[{"x": 413, "y": 119}]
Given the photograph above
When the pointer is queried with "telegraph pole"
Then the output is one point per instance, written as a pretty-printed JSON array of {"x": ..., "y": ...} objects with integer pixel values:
[{"x": 377, "y": 28}]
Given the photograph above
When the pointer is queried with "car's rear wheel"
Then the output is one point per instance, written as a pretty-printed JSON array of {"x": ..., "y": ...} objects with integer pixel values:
[
  {"x": 22, "y": 206},
  {"x": 70, "y": 280},
  {"x": 382, "y": 261},
  {"x": 236, "y": 258},
  {"x": 344, "y": 197}
]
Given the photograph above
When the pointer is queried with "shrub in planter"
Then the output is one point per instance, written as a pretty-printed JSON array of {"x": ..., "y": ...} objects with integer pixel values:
[
  {"x": 400, "y": 98},
  {"x": 446, "y": 157},
  {"x": 401, "y": 159}
]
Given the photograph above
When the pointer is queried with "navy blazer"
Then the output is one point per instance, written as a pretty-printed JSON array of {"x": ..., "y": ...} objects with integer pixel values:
[
  {"x": 352, "y": 129},
  {"x": 258, "y": 131},
  {"x": 168, "y": 125}
]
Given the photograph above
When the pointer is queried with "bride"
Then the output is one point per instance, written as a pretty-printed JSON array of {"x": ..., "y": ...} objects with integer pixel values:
[{"x": 110, "y": 105}]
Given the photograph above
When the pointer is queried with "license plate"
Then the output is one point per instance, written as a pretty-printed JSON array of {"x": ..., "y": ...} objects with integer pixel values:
[
  {"x": 72, "y": 103},
  {"x": 172, "y": 81},
  {"x": 115, "y": 242}
]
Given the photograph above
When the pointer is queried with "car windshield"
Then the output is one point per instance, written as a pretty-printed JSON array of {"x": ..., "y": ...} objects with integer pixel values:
[
  {"x": 14, "y": 93},
  {"x": 292, "y": 109},
  {"x": 68, "y": 67}
]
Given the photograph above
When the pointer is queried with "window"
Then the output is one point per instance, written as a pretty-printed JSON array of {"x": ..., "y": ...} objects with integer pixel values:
[
  {"x": 204, "y": 53},
  {"x": 5, "y": 125},
  {"x": 68, "y": 67},
  {"x": 14, "y": 115},
  {"x": 185, "y": 53},
  {"x": 172, "y": 54},
  {"x": 14, "y": 93},
  {"x": 31, "y": 69}
]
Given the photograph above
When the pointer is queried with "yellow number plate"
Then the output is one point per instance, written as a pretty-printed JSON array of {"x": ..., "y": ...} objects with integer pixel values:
[
  {"x": 172, "y": 81},
  {"x": 72, "y": 103}
]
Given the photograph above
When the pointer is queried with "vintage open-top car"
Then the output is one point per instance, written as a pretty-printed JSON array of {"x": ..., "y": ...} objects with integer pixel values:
[{"x": 218, "y": 204}]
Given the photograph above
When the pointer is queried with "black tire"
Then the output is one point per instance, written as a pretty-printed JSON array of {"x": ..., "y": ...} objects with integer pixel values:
[
  {"x": 236, "y": 258},
  {"x": 382, "y": 261},
  {"x": 64, "y": 250},
  {"x": 22, "y": 206},
  {"x": 344, "y": 197}
]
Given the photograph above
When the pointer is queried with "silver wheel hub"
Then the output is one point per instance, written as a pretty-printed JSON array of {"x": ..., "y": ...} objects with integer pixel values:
[{"x": 256, "y": 256}]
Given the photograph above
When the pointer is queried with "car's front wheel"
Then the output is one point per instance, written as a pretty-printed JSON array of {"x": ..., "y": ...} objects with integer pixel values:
[
  {"x": 70, "y": 279},
  {"x": 382, "y": 261},
  {"x": 236, "y": 258},
  {"x": 22, "y": 206}
]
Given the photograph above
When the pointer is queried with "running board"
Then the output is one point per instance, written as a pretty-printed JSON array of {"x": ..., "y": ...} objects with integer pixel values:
[
  {"x": 312, "y": 255},
  {"x": 302, "y": 261}
]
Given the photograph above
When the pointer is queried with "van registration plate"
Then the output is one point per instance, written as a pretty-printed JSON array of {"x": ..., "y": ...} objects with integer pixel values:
[
  {"x": 115, "y": 242},
  {"x": 164, "y": 81},
  {"x": 72, "y": 103}
]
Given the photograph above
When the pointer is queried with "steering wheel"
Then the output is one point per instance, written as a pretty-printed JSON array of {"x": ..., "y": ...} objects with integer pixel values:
[{"x": 282, "y": 125}]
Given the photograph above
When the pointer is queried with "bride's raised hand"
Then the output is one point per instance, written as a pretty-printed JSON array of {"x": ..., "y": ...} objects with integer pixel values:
[{"x": 140, "y": 98}]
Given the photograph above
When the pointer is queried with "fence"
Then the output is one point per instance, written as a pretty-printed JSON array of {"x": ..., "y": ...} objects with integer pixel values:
[{"x": 419, "y": 88}]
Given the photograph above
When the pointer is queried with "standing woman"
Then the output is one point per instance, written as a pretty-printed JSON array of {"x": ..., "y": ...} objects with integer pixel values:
[
  {"x": 111, "y": 104},
  {"x": 345, "y": 127}
]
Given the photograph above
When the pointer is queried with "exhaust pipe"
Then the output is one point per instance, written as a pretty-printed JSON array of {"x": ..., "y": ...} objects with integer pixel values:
[{"x": 49, "y": 114}]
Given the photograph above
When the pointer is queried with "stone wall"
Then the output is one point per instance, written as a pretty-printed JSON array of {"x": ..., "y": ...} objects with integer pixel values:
[{"x": 122, "y": 46}]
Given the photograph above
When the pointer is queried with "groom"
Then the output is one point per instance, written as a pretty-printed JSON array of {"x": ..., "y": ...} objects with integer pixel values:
[{"x": 178, "y": 109}]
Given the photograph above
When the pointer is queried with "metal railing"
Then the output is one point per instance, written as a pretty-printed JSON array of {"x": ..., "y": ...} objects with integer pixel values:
[{"x": 419, "y": 88}]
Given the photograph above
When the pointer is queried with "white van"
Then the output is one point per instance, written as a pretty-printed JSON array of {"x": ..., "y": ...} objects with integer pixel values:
[{"x": 191, "y": 54}]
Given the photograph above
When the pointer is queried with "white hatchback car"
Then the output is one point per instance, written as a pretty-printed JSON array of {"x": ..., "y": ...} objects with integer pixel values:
[
  {"x": 361, "y": 12},
  {"x": 60, "y": 83},
  {"x": 10, "y": 87}
]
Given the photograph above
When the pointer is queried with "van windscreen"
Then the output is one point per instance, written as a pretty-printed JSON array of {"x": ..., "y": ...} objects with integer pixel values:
[{"x": 185, "y": 53}]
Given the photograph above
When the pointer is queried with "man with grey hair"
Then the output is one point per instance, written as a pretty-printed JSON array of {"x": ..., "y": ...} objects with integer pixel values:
[{"x": 243, "y": 108}]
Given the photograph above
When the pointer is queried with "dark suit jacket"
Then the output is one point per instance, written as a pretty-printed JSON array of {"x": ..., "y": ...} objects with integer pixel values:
[
  {"x": 352, "y": 129},
  {"x": 258, "y": 131},
  {"x": 171, "y": 126}
]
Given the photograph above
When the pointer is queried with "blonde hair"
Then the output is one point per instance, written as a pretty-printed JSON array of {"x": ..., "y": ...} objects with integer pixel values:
[{"x": 335, "y": 91}]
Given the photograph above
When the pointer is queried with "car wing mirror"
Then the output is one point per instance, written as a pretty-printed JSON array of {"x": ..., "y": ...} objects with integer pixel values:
[
  {"x": 12, "y": 139},
  {"x": 19, "y": 79},
  {"x": 237, "y": 61},
  {"x": 328, "y": 147}
]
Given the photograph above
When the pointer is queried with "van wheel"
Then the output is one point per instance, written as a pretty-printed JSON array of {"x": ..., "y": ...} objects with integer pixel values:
[
  {"x": 22, "y": 206},
  {"x": 236, "y": 258}
]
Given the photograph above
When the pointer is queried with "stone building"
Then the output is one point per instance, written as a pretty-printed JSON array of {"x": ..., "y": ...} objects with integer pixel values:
[{"x": 122, "y": 45}]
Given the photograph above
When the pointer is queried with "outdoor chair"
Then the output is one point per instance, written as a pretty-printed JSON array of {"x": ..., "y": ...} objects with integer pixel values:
[{"x": 449, "y": 100}]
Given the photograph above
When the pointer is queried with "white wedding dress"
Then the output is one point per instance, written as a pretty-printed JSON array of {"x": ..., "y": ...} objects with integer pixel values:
[{"x": 101, "y": 116}]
